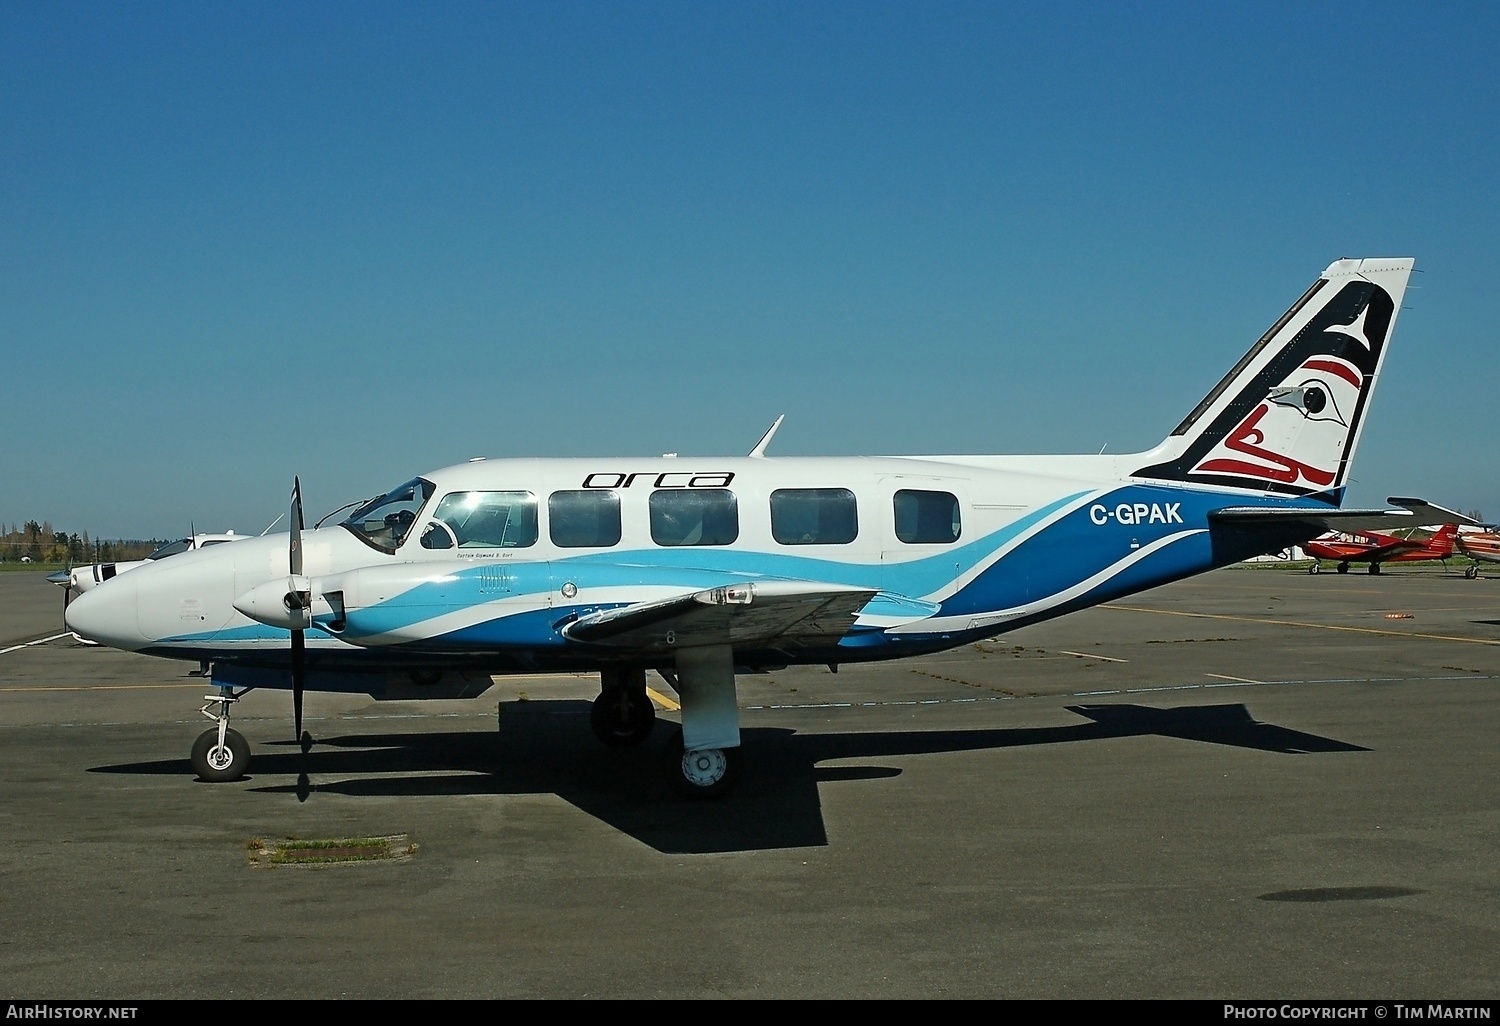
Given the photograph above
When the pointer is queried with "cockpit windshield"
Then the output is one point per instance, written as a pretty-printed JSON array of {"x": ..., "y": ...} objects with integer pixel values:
[{"x": 385, "y": 520}]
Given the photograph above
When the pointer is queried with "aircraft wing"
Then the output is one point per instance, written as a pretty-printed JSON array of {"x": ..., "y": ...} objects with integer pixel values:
[
  {"x": 1390, "y": 549},
  {"x": 1345, "y": 521},
  {"x": 738, "y": 614}
]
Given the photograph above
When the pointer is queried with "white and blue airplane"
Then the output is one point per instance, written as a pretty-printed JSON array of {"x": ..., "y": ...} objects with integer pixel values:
[{"x": 699, "y": 568}]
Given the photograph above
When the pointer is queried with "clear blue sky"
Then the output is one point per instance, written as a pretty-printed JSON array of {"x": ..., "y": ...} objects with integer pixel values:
[{"x": 356, "y": 241}]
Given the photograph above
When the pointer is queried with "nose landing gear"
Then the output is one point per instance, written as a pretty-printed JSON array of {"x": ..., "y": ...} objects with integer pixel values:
[{"x": 220, "y": 754}]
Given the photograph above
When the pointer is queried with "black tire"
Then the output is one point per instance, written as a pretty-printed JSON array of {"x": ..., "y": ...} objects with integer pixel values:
[
  {"x": 1472, "y": 572},
  {"x": 622, "y": 726},
  {"x": 1343, "y": 568},
  {"x": 220, "y": 765},
  {"x": 1314, "y": 569},
  {"x": 1375, "y": 568},
  {"x": 706, "y": 774}
]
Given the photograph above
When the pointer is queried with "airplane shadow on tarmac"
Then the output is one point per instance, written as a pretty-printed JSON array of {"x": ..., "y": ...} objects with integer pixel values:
[{"x": 545, "y": 747}]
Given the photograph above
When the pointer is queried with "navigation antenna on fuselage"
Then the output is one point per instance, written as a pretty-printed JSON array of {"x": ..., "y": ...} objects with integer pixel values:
[{"x": 759, "y": 452}]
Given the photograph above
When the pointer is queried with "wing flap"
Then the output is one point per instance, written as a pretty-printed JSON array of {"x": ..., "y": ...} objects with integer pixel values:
[{"x": 736, "y": 615}]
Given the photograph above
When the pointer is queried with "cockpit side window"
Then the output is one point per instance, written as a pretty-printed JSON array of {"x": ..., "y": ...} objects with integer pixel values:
[
  {"x": 483, "y": 520},
  {"x": 385, "y": 520}
]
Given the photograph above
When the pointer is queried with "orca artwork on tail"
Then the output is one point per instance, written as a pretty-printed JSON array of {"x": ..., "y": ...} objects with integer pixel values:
[{"x": 698, "y": 568}]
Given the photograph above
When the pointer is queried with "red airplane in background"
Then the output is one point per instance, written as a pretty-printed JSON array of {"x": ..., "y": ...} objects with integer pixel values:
[{"x": 1375, "y": 549}]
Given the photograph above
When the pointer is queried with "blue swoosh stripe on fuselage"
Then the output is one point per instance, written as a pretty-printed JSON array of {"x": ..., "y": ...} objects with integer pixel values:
[
  {"x": 249, "y": 632},
  {"x": 1074, "y": 548},
  {"x": 680, "y": 568}
]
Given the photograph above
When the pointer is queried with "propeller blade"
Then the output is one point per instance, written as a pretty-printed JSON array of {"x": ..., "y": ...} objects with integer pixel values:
[
  {"x": 296, "y": 524},
  {"x": 299, "y": 672},
  {"x": 299, "y": 637}
]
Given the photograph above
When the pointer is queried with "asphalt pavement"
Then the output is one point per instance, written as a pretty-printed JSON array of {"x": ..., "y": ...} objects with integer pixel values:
[{"x": 1257, "y": 784}]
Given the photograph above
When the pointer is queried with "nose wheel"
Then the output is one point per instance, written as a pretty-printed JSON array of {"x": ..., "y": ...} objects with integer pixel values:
[
  {"x": 220, "y": 754},
  {"x": 218, "y": 760}
]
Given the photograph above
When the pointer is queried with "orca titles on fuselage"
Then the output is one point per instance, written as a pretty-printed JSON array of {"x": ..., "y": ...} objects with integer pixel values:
[{"x": 697, "y": 568}]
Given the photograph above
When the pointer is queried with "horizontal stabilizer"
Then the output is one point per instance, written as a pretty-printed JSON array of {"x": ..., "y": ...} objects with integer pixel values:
[
  {"x": 737, "y": 615},
  {"x": 1414, "y": 512}
]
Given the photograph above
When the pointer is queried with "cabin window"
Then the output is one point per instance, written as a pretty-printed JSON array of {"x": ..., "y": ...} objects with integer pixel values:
[
  {"x": 483, "y": 520},
  {"x": 926, "y": 518},
  {"x": 584, "y": 519},
  {"x": 813, "y": 516},
  {"x": 694, "y": 516}
]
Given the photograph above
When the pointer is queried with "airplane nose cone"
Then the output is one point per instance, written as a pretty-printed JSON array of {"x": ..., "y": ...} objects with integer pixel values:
[{"x": 107, "y": 616}]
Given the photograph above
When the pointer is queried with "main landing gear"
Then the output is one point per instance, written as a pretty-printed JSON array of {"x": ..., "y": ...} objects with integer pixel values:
[
  {"x": 705, "y": 773},
  {"x": 220, "y": 754},
  {"x": 623, "y": 716}
]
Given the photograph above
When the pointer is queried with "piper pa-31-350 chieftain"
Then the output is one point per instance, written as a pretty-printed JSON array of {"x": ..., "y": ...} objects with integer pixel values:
[{"x": 699, "y": 568}]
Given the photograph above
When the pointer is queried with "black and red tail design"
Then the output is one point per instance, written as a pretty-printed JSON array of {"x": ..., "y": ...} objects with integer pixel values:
[{"x": 1287, "y": 418}]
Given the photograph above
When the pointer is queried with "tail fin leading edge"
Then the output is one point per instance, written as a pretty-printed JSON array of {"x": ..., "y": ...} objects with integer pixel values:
[{"x": 1287, "y": 418}]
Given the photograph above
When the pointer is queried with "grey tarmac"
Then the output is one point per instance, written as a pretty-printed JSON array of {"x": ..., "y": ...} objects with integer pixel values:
[{"x": 1256, "y": 784}]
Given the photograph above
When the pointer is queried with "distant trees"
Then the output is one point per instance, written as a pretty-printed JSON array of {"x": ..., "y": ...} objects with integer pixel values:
[{"x": 41, "y": 543}]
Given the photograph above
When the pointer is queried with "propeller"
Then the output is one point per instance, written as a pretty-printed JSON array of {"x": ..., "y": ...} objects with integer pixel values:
[
  {"x": 64, "y": 580},
  {"x": 298, "y": 599}
]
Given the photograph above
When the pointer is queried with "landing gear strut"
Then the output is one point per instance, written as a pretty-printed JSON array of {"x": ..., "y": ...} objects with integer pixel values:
[
  {"x": 622, "y": 716},
  {"x": 220, "y": 754}
]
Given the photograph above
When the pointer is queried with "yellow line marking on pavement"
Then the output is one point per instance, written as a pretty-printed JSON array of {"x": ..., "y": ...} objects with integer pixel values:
[
  {"x": 662, "y": 700},
  {"x": 109, "y": 687},
  {"x": 1088, "y": 655},
  {"x": 1300, "y": 623},
  {"x": 1241, "y": 680}
]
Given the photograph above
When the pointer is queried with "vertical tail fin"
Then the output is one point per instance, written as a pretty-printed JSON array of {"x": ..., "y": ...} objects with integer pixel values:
[
  {"x": 1442, "y": 539},
  {"x": 1287, "y": 418}
]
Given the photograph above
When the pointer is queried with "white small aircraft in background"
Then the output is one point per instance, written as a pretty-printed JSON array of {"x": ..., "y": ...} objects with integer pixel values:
[
  {"x": 699, "y": 568},
  {"x": 79, "y": 579}
]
